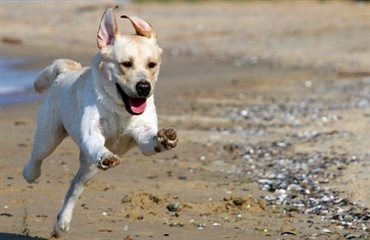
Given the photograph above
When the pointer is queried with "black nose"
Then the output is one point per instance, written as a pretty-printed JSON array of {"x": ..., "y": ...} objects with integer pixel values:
[{"x": 143, "y": 88}]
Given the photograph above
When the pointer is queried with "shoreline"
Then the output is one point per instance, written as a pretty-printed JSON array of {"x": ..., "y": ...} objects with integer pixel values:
[{"x": 20, "y": 97}]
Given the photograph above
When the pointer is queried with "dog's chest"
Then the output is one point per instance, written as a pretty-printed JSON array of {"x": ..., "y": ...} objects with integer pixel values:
[{"x": 115, "y": 130}]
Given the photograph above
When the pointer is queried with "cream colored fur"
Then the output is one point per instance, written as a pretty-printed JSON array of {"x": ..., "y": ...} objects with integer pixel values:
[{"x": 87, "y": 104}]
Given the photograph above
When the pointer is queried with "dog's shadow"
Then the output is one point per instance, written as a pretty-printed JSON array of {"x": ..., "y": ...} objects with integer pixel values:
[{"x": 14, "y": 236}]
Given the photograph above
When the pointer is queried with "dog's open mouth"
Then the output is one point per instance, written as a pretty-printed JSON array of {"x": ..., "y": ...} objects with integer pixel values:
[{"x": 134, "y": 106}]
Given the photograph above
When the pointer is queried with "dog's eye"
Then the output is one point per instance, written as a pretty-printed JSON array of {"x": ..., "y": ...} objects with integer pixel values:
[
  {"x": 152, "y": 65},
  {"x": 127, "y": 64}
]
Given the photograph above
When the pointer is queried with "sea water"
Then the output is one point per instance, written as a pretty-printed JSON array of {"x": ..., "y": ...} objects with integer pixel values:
[{"x": 16, "y": 85}]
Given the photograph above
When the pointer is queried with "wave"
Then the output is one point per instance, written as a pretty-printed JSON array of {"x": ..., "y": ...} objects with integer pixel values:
[{"x": 12, "y": 79}]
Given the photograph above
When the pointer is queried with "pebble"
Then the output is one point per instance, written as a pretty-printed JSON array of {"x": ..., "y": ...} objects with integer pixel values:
[
  {"x": 325, "y": 231},
  {"x": 176, "y": 224},
  {"x": 173, "y": 207},
  {"x": 201, "y": 226}
]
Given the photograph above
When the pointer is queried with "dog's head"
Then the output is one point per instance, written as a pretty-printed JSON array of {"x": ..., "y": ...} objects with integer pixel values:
[{"x": 129, "y": 62}]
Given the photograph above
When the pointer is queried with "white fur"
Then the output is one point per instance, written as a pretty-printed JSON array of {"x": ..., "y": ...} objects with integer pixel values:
[{"x": 84, "y": 103}]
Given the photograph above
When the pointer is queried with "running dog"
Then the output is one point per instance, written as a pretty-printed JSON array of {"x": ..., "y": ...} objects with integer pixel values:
[{"x": 106, "y": 109}]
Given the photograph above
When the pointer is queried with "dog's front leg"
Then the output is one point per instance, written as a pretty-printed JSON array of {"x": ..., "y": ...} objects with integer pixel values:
[
  {"x": 93, "y": 146},
  {"x": 151, "y": 141},
  {"x": 104, "y": 159},
  {"x": 92, "y": 143}
]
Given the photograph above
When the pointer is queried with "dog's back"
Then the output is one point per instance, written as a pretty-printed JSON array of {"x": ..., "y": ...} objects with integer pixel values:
[{"x": 51, "y": 72}]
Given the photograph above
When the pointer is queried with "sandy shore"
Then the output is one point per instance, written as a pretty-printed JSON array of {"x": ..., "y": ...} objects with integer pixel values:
[{"x": 286, "y": 80}]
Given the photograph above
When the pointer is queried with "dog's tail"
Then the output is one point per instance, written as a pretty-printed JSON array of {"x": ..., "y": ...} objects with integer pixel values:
[{"x": 51, "y": 72}]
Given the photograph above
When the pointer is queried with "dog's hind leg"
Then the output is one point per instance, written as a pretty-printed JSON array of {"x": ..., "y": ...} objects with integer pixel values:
[
  {"x": 49, "y": 134},
  {"x": 84, "y": 175}
]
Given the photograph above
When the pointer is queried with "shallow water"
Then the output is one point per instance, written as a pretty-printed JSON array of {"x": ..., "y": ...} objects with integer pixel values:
[{"x": 16, "y": 84}]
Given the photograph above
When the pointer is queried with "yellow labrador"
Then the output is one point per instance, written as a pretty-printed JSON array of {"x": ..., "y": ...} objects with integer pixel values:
[{"x": 106, "y": 109}]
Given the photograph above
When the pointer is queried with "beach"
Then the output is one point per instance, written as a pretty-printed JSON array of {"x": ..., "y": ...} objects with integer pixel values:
[{"x": 272, "y": 110}]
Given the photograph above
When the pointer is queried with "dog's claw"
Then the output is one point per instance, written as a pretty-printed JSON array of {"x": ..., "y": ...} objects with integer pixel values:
[
  {"x": 109, "y": 161},
  {"x": 167, "y": 138}
]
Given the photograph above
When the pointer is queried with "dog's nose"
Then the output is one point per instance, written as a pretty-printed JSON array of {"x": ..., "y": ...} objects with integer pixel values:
[{"x": 143, "y": 88}]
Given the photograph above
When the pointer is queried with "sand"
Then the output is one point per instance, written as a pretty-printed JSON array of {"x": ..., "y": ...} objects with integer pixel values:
[{"x": 215, "y": 66}]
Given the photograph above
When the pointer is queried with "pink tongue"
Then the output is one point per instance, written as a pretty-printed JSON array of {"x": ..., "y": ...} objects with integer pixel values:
[{"x": 137, "y": 105}]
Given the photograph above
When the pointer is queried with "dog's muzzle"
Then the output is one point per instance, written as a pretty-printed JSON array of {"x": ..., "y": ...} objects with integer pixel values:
[{"x": 134, "y": 106}]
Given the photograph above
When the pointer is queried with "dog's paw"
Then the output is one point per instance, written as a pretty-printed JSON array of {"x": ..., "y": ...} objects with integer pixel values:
[
  {"x": 61, "y": 227},
  {"x": 167, "y": 138},
  {"x": 108, "y": 161}
]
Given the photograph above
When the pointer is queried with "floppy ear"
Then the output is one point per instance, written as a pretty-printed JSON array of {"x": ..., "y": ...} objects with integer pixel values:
[
  {"x": 107, "y": 29},
  {"x": 142, "y": 28}
]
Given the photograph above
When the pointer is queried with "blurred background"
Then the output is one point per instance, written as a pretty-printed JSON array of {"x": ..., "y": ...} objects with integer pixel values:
[{"x": 320, "y": 35}]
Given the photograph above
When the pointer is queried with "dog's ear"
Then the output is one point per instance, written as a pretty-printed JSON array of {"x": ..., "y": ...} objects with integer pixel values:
[
  {"x": 107, "y": 29},
  {"x": 142, "y": 28}
]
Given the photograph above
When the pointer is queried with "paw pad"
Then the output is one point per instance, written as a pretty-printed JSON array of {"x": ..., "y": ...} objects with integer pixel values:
[
  {"x": 168, "y": 138},
  {"x": 109, "y": 162}
]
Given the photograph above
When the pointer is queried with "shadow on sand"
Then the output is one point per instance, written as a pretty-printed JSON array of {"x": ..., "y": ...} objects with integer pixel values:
[{"x": 14, "y": 236}]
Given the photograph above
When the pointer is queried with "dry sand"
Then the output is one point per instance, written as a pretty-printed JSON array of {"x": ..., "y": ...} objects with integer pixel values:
[{"x": 221, "y": 60}]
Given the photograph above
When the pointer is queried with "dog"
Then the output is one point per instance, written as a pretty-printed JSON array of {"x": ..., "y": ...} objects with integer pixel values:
[{"x": 107, "y": 109}]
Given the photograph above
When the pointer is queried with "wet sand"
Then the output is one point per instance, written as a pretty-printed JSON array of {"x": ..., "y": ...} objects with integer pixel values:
[{"x": 238, "y": 118}]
